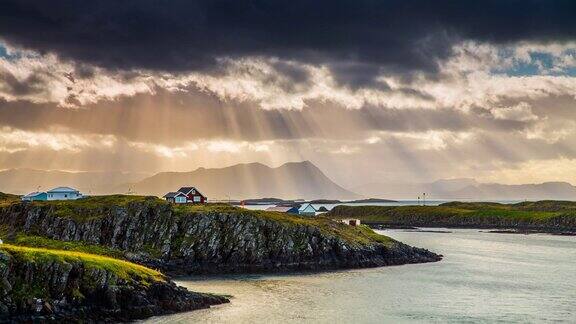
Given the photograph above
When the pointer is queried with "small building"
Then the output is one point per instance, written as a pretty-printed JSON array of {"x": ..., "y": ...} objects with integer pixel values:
[
  {"x": 351, "y": 222},
  {"x": 63, "y": 193},
  {"x": 186, "y": 195},
  {"x": 36, "y": 195},
  {"x": 307, "y": 210},
  {"x": 175, "y": 197},
  {"x": 284, "y": 209}
]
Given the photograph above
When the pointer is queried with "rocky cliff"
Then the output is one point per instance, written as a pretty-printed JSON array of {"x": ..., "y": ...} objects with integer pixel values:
[
  {"x": 209, "y": 239},
  {"x": 48, "y": 285}
]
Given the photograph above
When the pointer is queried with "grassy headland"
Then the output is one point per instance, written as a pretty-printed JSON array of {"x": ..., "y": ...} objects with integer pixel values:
[
  {"x": 207, "y": 238},
  {"x": 545, "y": 215},
  {"x": 90, "y": 208},
  {"x": 45, "y": 285}
]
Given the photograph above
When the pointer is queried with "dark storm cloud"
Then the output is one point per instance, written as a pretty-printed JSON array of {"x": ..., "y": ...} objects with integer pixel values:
[{"x": 187, "y": 35}]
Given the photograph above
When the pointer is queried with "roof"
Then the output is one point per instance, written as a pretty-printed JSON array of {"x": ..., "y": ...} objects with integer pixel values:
[
  {"x": 33, "y": 194},
  {"x": 186, "y": 190},
  {"x": 306, "y": 206},
  {"x": 282, "y": 209},
  {"x": 63, "y": 189},
  {"x": 173, "y": 194}
]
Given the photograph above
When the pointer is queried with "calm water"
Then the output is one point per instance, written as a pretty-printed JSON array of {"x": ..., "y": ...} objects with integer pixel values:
[
  {"x": 484, "y": 277},
  {"x": 431, "y": 202}
]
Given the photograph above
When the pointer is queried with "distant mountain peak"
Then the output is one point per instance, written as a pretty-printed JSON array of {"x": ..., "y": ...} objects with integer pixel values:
[
  {"x": 468, "y": 188},
  {"x": 291, "y": 180}
]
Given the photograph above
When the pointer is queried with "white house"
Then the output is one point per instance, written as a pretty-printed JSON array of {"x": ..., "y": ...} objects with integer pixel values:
[
  {"x": 307, "y": 210},
  {"x": 63, "y": 193}
]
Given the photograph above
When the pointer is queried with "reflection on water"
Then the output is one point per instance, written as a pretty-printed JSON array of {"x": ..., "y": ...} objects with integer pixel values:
[{"x": 484, "y": 277}]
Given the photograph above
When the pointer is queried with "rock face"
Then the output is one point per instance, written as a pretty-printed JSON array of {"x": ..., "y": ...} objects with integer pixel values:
[
  {"x": 46, "y": 289},
  {"x": 207, "y": 241}
]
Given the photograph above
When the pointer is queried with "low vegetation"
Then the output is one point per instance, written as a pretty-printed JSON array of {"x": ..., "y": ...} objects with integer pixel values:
[
  {"x": 89, "y": 208},
  {"x": 7, "y": 199},
  {"x": 553, "y": 214},
  {"x": 122, "y": 269},
  {"x": 21, "y": 239}
]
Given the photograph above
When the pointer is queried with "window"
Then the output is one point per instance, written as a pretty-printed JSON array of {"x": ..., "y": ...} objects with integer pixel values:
[{"x": 196, "y": 198}]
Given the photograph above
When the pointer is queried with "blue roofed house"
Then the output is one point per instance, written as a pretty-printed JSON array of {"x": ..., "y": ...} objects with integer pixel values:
[
  {"x": 307, "y": 210},
  {"x": 36, "y": 195}
]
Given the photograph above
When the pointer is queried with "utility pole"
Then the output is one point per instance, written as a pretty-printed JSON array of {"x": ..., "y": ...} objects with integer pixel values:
[
  {"x": 424, "y": 198},
  {"x": 418, "y": 200}
]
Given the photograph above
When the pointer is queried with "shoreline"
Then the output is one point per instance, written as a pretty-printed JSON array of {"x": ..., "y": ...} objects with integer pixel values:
[{"x": 488, "y": 229}]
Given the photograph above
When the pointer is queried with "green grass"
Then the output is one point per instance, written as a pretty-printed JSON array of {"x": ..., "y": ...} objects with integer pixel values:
[
  {"x": 42, "y": 242},
  {"x": 542, "y": 212},
  {"x": 7, "y": 199},
  {"x": 122, "y": 269},
  {"x": 95, "y": 207},
  {"x": 354, "y": 235},
  {"x": 92, "y": 207}
]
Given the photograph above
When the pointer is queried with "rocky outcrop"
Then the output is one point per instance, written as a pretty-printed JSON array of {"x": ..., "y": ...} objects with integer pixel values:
[
  {"x": 209, "y": 241},
  {"x": 48, "y": 288},
  {"x": 530, "y": 216}
]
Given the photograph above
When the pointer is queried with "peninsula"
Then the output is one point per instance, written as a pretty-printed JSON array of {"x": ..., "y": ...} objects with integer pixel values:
[
  {"x": 541, "y": 216},
  {"x": 110, "y": 233}
]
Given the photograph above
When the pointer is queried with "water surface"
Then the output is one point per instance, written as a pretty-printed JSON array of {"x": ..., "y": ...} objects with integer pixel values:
[{"x": 484, "y": 277}]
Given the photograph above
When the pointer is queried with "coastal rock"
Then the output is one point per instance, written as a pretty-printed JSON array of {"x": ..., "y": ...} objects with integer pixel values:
[
  {"x": 217, "y": 240},
  {"x": 46, "y": 288}
]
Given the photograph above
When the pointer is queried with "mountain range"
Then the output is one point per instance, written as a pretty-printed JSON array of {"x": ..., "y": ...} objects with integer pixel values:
[
  {"x": 469, "y": 189},
  {"x": 295, "y": 180},
  {"x": 22, "y": 181}
]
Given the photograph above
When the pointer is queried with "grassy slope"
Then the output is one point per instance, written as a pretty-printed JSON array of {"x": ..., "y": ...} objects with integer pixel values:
[
  {"x": 533, "y": 212},
  {"x": 122, "y": 269},
  {"x": 42, "y": 242},
  {"x": 96, "y": 206},
  {"x": 7, "y": 199}
]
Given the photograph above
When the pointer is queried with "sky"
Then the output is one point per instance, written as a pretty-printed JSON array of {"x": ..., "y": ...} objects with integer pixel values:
[{"x": 370, "y": 91}]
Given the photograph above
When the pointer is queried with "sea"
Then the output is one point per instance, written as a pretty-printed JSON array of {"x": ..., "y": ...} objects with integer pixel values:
[
  {"x": 484, "y": 278},
  {"x": 432, "y": 202}
]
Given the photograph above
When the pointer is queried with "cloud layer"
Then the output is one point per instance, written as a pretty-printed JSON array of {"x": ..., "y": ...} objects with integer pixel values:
[
  {"x": 368, "y": 90},
  {"x": 354, "y": 36}
]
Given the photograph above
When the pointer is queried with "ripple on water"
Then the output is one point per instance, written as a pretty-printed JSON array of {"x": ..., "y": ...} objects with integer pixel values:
[{"x": 485, "y": 277}]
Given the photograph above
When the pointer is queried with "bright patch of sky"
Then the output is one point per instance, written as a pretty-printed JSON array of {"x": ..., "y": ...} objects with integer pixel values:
[{"x": 540, "y": 63}]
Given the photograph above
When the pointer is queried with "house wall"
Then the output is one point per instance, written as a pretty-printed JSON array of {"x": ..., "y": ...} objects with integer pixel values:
[
  {"x": 308, "y": 211},
  {"x": 195, "y": 198},
  {"x": 63, "y": 195},
  {"x": 42, "y": 196}
]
